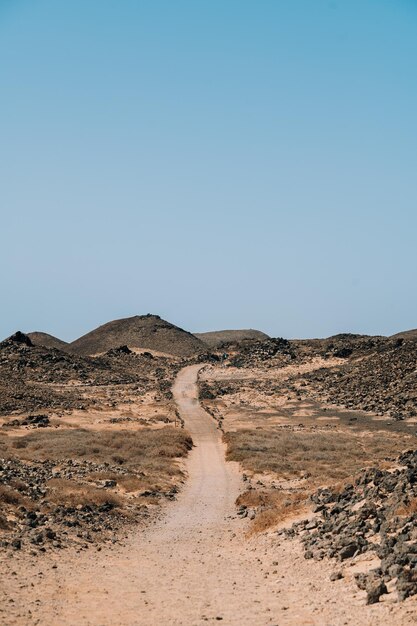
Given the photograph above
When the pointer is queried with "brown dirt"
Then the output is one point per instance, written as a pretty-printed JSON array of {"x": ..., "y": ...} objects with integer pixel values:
[{"x": 194, "y": 565}]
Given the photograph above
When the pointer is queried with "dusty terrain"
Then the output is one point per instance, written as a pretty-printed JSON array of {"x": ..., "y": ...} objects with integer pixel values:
[
  {"x": 295, "y": 505},
  {"x": 296, "y": 448},
  {"x": 194, "y": 565},
  {"x": 87, "y": 445}
]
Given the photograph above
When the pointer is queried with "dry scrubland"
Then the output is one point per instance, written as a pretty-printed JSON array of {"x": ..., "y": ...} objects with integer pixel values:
[
  {"x": 90, "y": 444},
  {"x": 86, "y": 444},
  {"x": 321, "y": 429},
  {"x": 275, "y": 404}
]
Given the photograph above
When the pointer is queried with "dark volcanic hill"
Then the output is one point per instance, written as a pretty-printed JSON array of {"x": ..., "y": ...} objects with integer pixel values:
[
  {"x": 47, "y": 341},
  {"x": 217, "y": 338},
  {"x": 141, "y": 331},
  {"x": 35, "y": 378}
]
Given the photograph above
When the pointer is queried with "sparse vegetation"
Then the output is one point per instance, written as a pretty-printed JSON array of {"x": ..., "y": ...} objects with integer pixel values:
[
  {"x": 71, "y": 493},
  {"x": 308, "y": 458},
  {"x": 322, "y": 457},
  {"x": 78, "y": 477},
  {"x": 273, "y": 507},
  {"x": 130, "y": 449}
]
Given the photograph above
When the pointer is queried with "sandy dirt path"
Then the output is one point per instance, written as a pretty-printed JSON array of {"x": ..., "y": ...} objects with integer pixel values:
[{"x": 194, "y": 565}]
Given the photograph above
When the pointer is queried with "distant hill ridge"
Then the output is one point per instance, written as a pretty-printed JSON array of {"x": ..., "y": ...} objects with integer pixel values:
[
  {"x": 216, "y": 338},
  {"x": 407, "y": 334},
  {"x": 47, "y": 341},
  {"x": 141, "y": 331},
  {"x": 153, "y": 333}
]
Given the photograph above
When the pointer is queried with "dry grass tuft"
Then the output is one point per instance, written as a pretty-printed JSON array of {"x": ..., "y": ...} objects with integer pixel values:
[
  {"x": 131, "y": 484},
  {"x": 11, "y": 496},
  {"x": 273, "y": 507},
  {"x": 10, "y": 499},
  {"x": 71, "y": 493},
  {"x": 408, "y": 509}
]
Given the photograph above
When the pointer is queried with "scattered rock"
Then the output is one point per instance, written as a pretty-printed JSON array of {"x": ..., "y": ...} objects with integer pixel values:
[{"x": 378, "y": 513}]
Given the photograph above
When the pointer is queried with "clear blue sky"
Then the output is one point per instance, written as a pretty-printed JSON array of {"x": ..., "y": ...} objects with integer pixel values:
[{"x": 223, "y": 163}]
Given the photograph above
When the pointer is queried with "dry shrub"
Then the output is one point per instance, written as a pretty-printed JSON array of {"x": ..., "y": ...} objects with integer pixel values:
[
  {"x": 405, "y": 510},
  {"x": 19, "y": 443},
  {"x": 17, "y": 483},
  {"x": 273, "y": 507},
  {"x": 70, "y": 493},
  {"x": 11, "y": 496},
  {"x": 253, "y": 498},
  {"x": 4, "y": 524},
  {"x": 326, "y": 457},
  {"x": 10, "y": 500},
  {"x": 133, "y": 483}
]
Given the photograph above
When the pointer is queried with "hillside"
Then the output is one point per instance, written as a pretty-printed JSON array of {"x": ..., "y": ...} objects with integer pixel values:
[
  {"x": 217, "y": 338},
  {"x": 141, "y": 331},
  {"x": 47, "y": 341}
]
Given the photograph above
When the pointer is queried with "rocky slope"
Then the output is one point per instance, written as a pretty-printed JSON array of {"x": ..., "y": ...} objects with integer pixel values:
[
  {"x": 34, "y": 378},
  {"x": 383, "y": 381}
]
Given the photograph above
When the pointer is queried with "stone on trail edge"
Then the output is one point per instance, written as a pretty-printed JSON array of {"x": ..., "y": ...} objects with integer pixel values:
[{"x": 378, "y": 513}]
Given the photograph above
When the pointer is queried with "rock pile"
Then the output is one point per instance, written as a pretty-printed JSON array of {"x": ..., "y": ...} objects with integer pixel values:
[
  {"x": 270, "y": 353},
  {"x": 377, "y": 513},
  {"x": 36, "y": 421},
  {"x": 119, "y": 351},
  {"x": 17, "y": 338},
  {"x": 29, "y": 519}
]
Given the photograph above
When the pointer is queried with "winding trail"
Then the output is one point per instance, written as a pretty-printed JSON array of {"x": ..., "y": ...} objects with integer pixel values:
[
  {"x": 191, "y": 566},
  {"x": 195, "y": 565}
]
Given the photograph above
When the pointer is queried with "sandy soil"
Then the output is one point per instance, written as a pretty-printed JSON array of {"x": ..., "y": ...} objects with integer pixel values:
[{"x": 195, "y": 565}]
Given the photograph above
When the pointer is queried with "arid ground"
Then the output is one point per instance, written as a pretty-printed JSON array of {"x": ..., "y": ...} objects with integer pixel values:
[{"x": 243, "y": 494}]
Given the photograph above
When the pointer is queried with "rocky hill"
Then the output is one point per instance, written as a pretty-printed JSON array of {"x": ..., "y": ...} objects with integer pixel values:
[
  {"x": 141, "y": 331},
  {"x": 35, "y": 378},
  {"x": 218, "y": 338},
  {"x": 47, "y": 341}
]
